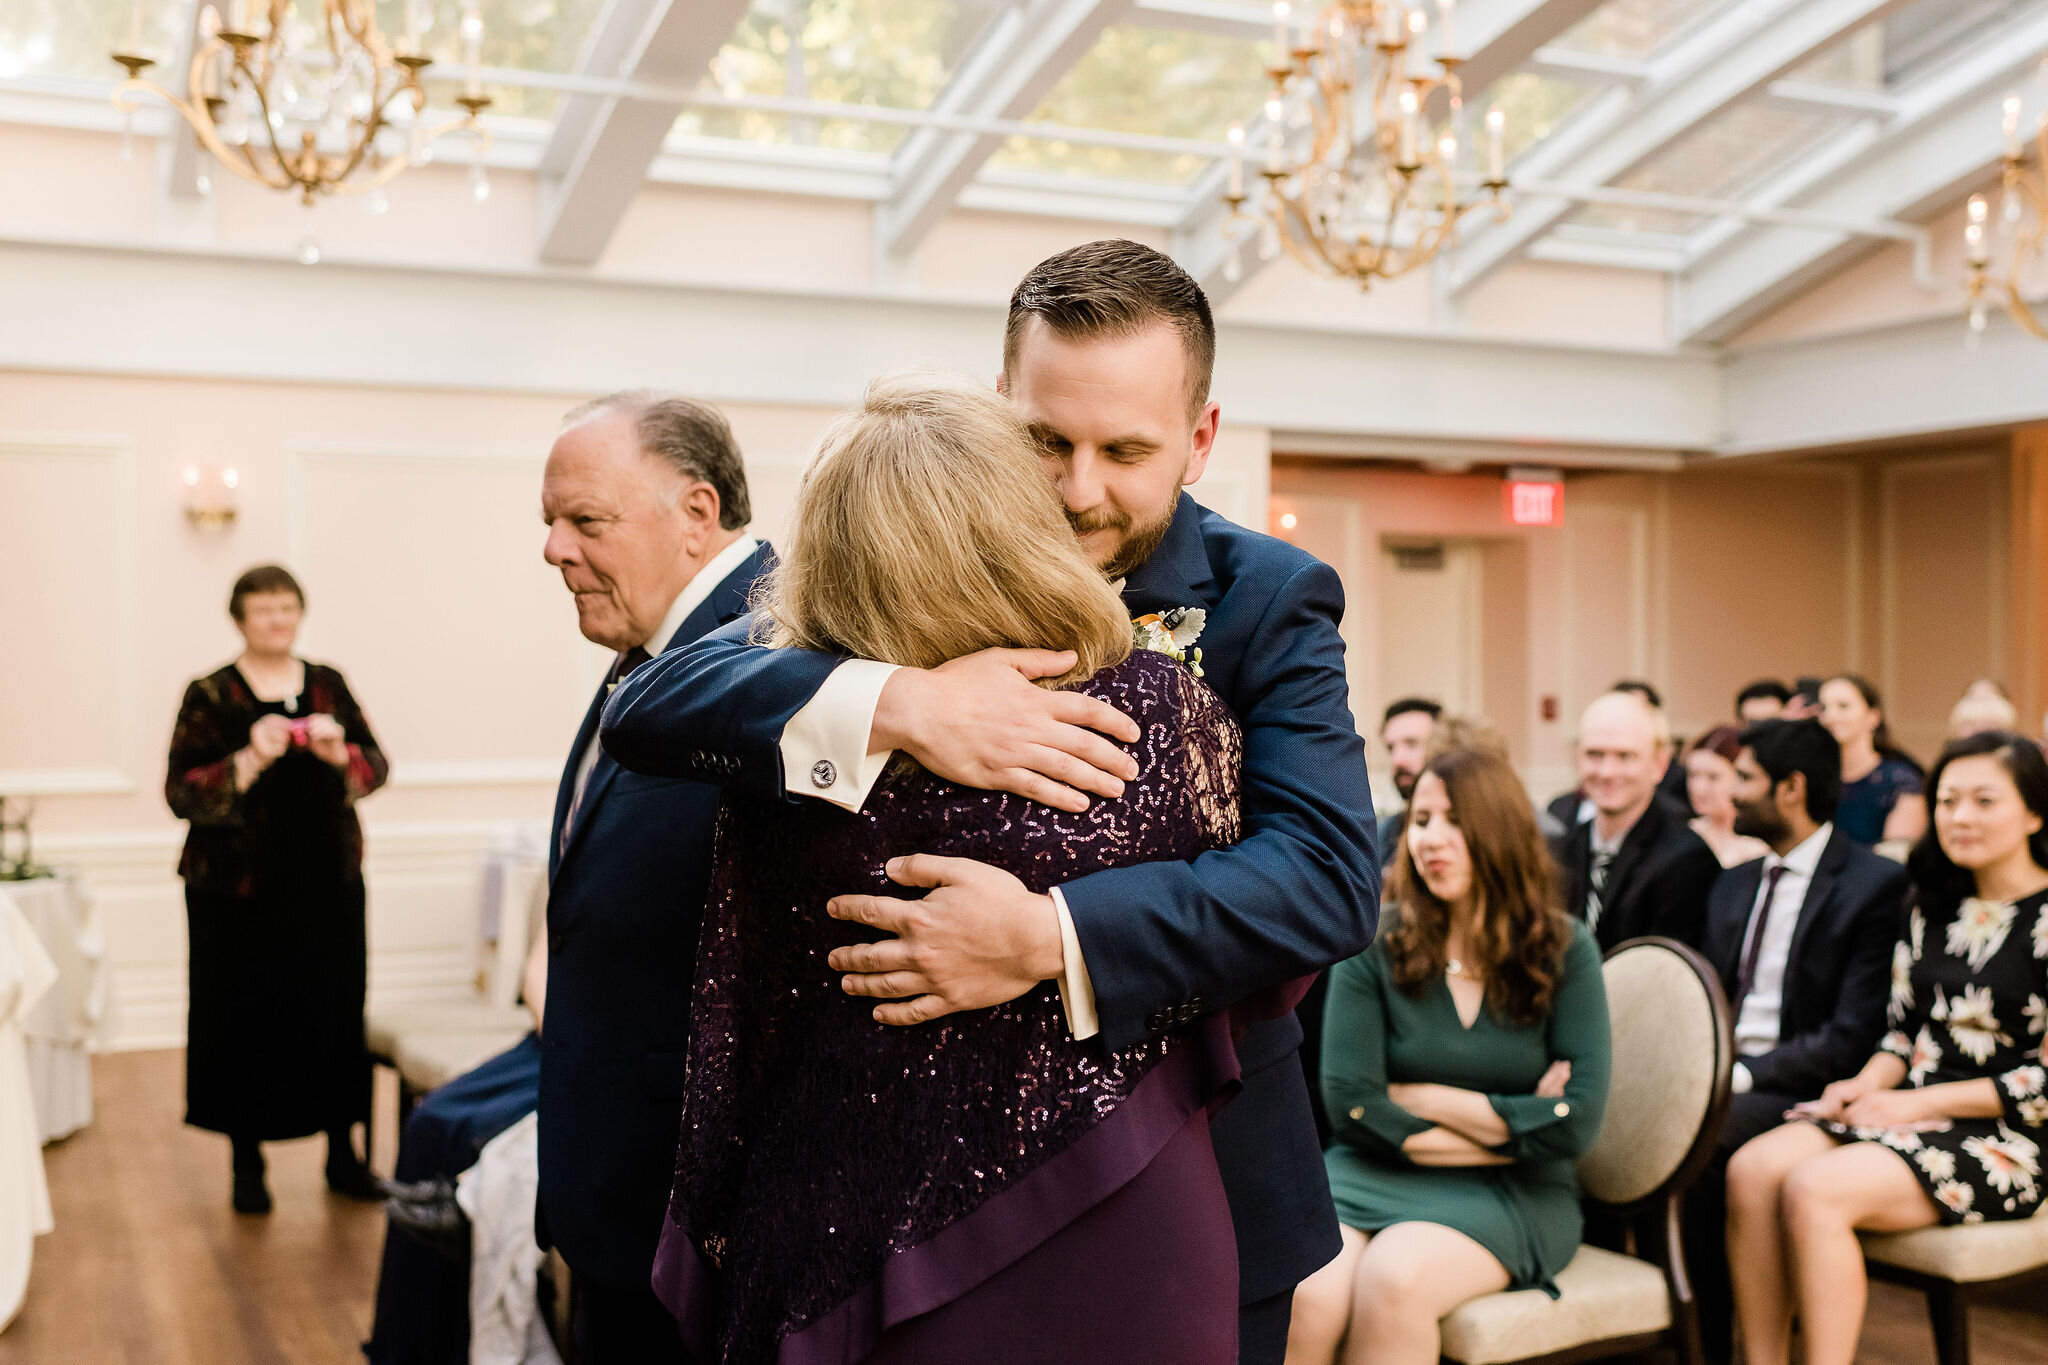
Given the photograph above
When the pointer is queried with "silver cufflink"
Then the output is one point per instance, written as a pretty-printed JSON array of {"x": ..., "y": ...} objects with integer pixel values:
[{"x": 823, "y": 774}]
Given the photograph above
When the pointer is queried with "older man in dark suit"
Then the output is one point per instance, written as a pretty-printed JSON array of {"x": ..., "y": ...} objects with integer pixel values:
[
  {"x": 1107, "y": 356},
  {"x": 645, "y": 499},
  {"x": 1635, "y": 867},
  {"x": 1802, "y": 941}
]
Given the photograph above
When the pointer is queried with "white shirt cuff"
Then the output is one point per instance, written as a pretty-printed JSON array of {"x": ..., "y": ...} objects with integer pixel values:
[
  {"x": 1739, "y": 1080},
  {"x": 825, "y": 745},
  {"x": 1077, "y": 992}
]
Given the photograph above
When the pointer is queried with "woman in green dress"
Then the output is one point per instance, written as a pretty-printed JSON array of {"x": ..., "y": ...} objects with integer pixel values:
[{"x": 1465, "y": 1063}]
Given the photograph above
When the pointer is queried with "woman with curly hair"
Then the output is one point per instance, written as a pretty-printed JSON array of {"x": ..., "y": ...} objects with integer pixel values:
[
  {"x": 1944, "y": 1123},
  {"x": 1465, "y": 1064}
]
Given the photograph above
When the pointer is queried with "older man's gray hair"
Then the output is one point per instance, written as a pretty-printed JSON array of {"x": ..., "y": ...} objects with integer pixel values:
[{"x": 693, "y": 437}]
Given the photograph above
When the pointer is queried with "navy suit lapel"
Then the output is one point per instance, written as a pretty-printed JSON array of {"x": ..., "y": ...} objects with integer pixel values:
[
  {"x": 1743, "y": 884},
  {"x": 565, "y": 795},
  {"x": 1177, "y": 573},
  {"x": 1817, "y": 892},
  {"x": 726, "y": 602}
]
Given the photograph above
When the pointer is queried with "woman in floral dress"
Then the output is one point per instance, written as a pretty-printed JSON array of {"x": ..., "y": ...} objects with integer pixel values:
[{"x": 1944, "y": 1123}]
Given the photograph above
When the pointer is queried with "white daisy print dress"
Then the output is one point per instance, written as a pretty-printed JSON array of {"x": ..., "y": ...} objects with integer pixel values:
[{"x": 1968, "y": 993}]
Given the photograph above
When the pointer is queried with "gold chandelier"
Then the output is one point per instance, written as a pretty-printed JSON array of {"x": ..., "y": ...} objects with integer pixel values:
[
  {"x": 2022, "y": 226},
  {"x": 1358, "y": 184},
  {"x": 300, "y": 106}
]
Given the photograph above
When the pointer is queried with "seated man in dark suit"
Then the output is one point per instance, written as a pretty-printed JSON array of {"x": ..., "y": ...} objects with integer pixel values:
[
  {"x": 1802, "y": 940},
  {"x": 646, "y": 504},
  {"x": 422, "y": 1314},
  {"x": 1635, "y": 868},
  {"x": 1108, "y": 358}
]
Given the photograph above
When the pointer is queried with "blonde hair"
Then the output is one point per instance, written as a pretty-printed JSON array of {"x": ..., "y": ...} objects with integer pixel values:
[{"x": 925, "y": 529}]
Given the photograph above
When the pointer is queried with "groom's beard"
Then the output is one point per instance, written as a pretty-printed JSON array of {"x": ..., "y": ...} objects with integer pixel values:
[{"x": 1135, "y": 547}]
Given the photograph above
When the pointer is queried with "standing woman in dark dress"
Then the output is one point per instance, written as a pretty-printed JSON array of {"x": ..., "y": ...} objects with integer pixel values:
[{"x": 268, "y": 759}]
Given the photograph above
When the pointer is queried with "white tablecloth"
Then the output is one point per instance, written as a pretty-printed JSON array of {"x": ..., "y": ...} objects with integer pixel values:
[
  {"x": 59, "y": 1031},
  {"x": 26, "y": 975}
]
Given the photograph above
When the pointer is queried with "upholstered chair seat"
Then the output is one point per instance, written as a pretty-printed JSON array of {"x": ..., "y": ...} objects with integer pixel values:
[
  {"x": 426, "y": 1061},
  {"x": 1967, "y": 1255},
  {"x": 383, "y": 1028},
  {"x": 1605, "y": 1295}
]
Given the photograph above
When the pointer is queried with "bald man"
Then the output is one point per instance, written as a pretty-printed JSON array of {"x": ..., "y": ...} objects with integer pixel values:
[{"x": 1636, "y": 867}]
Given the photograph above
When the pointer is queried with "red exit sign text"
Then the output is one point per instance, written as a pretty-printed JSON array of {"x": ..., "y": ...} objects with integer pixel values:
[{"x": 1533, "y": 504}]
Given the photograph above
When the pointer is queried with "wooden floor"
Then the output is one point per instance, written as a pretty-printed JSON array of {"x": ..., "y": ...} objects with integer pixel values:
[{"x": 149, "y": 1266}]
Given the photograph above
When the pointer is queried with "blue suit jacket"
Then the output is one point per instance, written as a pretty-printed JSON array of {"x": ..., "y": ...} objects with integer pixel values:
[
  {"x": 625, "y": 901},
  {"x": 1164, "y": 942}
]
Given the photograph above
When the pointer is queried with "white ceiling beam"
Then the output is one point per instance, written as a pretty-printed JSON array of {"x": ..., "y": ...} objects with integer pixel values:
[
  {"x": 607, "y": 56},
  {"x": 1498, "y": 35},
  {"x": 606, "y": 153},
  {"x": 1806, "y": 95},
  {"x": 1592, "y": 68},
  {"x": 799, "y": 346},
  {"x": 1733, "y": 55},
  {"x": 1944, "y": 142},
  {"x": 1224, "y": 18},
  {"x": 1005, "y": 78}
]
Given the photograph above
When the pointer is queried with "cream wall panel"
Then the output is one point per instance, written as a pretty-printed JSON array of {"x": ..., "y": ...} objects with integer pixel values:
[
  {"x": 1942, "y": 587},
  {"x": 1606, "y": 598},
  {"x": 1764, "y": 581},
  {"x": 67, "y": 558},
  {"x": 372, "y": 528}
]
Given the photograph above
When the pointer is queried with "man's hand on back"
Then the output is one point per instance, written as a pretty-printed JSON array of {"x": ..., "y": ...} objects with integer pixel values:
[
  {"x": 980, "y": 938},
  {"x": 981, "y": 722}
]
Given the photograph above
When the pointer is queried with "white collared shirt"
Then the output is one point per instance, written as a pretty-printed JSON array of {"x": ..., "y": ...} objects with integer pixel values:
[
  {"x": 1756, "y": 1028},
  {"x": 715, "y": 571}
]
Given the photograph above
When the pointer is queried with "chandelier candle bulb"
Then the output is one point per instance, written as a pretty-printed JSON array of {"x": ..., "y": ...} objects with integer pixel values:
[
  {"x": 1281, "y": 9},
  {"x": 1496, "y": 146},
  {"x": 1392, "y": 25},
  {"x": 473, "y": 49},
  {"x": 1237, "y": 161},
  {"x": 2011, "y": 122},
  {"x": 1411, "y": 109},
  {"x": 135, "y": 26},
  {"x": 412, "y": 27},
  {"x": 1446, "y": 14}
]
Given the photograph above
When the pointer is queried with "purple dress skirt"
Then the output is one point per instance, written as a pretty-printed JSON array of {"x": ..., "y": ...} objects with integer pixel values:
[{"x": 981, "y": 1187}]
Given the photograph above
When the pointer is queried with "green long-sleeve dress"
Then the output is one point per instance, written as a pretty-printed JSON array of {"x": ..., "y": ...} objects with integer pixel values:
[{"x": 1374, "y": 1033}]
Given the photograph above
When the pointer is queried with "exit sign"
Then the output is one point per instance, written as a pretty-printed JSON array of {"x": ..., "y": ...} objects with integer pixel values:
[{"x": 1532, "y": 497}]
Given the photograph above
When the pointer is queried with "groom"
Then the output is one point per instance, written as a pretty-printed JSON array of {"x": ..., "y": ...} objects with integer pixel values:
[{"x": 1107, "y": 355}]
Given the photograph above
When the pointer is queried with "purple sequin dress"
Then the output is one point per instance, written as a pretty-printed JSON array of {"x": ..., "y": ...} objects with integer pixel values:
[{"x": 843, "y": 1187}]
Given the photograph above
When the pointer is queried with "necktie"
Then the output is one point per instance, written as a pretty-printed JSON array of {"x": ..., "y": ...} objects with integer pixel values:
[
  {"x": 1596, "y": 884},
  {"x": 621, "y": 666},
  {"x": 625, "y": 664},
  {"x": 1746, "y": 977}
]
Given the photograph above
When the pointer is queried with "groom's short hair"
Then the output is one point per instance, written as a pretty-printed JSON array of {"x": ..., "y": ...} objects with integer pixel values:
[{"x": 1114, "y": 288}]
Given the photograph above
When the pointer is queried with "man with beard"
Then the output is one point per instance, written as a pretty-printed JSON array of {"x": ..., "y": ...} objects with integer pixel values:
[
  {"x": 1107, "y": 355},
  {"x": 1405, "y": 732},
  {"x": 1802, "y": 940}
]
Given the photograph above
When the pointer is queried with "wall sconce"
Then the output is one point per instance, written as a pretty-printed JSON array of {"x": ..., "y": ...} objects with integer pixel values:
[{"x": 210, "y": 497}]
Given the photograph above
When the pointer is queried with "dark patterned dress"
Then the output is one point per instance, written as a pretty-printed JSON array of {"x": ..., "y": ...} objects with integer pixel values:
[
  {"x": 983, "y": 1184},
  {"x": 1969, "y": 1001},
  {"x": 274, "y": 909}
]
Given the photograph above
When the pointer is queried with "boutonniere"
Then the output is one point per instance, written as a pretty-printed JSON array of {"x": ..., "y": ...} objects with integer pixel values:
[{"x": 1172, "y": 632}]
